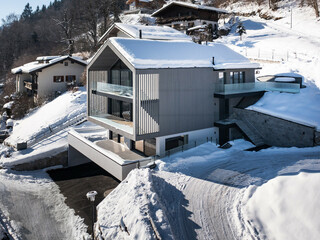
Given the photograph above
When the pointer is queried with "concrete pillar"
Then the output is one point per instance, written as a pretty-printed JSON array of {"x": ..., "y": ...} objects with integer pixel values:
[{"x": 76, "y": 158}]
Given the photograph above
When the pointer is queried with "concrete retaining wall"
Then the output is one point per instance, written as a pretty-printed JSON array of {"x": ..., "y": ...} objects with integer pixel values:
[
  {"x": 59, "y": 159},
  {"x": 278, "y": 132}
]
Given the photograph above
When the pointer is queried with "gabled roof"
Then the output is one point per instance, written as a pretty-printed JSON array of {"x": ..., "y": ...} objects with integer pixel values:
[
  {"x": 131, "y": 1},
  {"x": 36, "y": 66},
  {"x": 148, "y": 32},
  {"x": 188, "y": 5},
  {"x": 143, "y": 54}
]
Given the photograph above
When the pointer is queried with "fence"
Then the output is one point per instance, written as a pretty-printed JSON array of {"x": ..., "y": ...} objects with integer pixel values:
[
  {"x": 52, "y": 129},
  {"x": 190, "y": 145},
  {"x": 276, "y": 55}
]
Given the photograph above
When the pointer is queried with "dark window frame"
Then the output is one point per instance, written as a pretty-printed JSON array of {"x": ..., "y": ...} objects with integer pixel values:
[
  {"x": 122, "y": 69},
  {"x": 56, "y": 79},
  {"x": 74, "y": 78}
]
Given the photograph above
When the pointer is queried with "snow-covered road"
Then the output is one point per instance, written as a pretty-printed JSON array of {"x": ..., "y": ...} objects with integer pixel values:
[
  {"x": 210, "y": 204},
  {"x": 34, "y": 208}
]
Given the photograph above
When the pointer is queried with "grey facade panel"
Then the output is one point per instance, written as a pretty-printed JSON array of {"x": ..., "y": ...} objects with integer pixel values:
[{"x": 186, "y": 100}]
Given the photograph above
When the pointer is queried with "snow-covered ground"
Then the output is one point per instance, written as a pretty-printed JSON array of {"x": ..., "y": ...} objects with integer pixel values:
[
  {"x": 32, "y": 207},
  {"x": 54, "y": 113}
]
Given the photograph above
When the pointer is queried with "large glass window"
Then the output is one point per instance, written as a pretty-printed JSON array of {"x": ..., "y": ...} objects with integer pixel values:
[
  {"x": 121, "y": 75},
  {"x": 120, "y": 109},
  {"x": 222, "y": 77},
  {"x": 176, "y": 142},
  {"x": 237, "y": 77}
]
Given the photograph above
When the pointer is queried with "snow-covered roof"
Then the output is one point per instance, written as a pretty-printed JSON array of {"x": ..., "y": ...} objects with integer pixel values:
[
  {"x": 46, "y": 58},
  {"x": 144, "y": 54},
  {"x": 34, "y": 66},
  {"x": 131, "y": 1},
  {"x": 189, "y": 5},
  {"x": 148, "y": 32}
]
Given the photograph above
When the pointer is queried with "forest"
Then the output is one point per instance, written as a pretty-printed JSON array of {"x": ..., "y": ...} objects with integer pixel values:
[{"x": 63, "y": 27}]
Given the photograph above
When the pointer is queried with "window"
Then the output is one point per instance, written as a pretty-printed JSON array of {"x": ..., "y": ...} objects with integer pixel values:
[
  {"x": 58, "y": 79},
  {"x": 176, "y": 142},
  {"x": 120, "y": 109},
  {"x": 237, "y": 77},
  {"x": 222, "y": 77},
  {"x": 66, "y": 64},
  {"x": 121, "y": 75},
  {"x": 70, "y": 79}
]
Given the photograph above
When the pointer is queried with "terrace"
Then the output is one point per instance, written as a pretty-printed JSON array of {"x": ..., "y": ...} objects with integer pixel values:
[{"x": 246, "y": 89}]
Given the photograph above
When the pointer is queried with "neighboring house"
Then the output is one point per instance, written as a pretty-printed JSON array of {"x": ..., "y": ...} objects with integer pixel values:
[
  {"x": 183, "y": 16},
  {"x": 143, "y": 6},
  {"x": 143, "y": 32},
  {"x": 49, "y": 75}
]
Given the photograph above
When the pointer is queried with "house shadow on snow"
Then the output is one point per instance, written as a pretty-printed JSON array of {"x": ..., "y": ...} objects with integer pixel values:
[
  {"x": 256, "y": 168},
  {"x": 174, "y": 204},
  {"x": 237, "y": 168}
]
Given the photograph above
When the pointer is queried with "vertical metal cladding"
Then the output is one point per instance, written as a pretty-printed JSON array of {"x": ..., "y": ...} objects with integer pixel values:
[
  {"x": 98, "y": 104},
  {"x": 148, "y": 103}
]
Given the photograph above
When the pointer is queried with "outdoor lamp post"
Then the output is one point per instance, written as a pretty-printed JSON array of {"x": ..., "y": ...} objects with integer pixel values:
[{"x": 91, "y": 196}]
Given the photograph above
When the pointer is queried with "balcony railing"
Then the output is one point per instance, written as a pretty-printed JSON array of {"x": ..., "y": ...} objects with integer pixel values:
[
  {"x": 239, "y": 88},
  {"x": 115, "y": 89}
]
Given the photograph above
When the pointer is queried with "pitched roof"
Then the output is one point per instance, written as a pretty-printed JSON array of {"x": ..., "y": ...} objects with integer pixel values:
[
  {"x": 143, "y": 54},
  {"x": 148, "y": 32},
  {"x": 189, "y": 5},
  {"x": 35, "y": 66}
]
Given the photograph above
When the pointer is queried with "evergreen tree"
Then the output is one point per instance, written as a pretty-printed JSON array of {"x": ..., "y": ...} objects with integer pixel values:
[
  {"x": 241, "y": 30},
  {"x": 27, "y": 12}
]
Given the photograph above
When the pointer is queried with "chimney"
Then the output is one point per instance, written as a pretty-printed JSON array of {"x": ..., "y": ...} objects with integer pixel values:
[
  {"x": 140, "y": 34},
  {"x": 213, "y": 60}
]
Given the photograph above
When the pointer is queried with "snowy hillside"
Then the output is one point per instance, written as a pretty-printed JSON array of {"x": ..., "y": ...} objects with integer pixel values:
[{"x": 54, "y": 113}]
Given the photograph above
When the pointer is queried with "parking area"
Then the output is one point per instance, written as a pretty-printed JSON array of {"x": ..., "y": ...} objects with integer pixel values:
[{"x": 75, "y": 182}]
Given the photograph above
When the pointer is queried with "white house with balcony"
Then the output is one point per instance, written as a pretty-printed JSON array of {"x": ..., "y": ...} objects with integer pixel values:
[{"x": 49, "y": 75}]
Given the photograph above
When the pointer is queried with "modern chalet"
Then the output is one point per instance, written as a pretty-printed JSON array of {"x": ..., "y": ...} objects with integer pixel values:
[
  {"x": 153, "y": 96},
  {"x": 183, "y": 16},
  {"x": 49, "y": 75}
]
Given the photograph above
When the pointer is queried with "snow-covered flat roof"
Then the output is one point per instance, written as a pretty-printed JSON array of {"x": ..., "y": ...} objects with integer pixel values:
[
  {"x": 148, "y": 32},
  {"x": 34, "y": 66},
  {"x": 190, "y": 5},
  {"x": 144, "y": 54}
]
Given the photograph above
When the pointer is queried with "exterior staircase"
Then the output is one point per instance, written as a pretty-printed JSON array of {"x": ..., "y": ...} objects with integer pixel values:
[{"x": 250, "y": 133}]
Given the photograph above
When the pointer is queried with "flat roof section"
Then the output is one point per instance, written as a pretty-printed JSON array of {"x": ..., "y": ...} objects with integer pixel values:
[{"x": 120, "y": 150}]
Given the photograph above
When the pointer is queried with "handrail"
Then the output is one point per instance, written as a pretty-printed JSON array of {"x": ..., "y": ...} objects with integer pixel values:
[{"x": 52, "y": 129}]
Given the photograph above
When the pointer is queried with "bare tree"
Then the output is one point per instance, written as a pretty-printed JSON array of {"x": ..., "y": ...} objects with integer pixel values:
[{"x": 315, "y": 5}]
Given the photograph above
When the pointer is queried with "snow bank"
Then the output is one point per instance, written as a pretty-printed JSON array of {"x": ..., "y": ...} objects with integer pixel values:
[
  {"x": 54, "y": 113},
  {"x": 301, "y": 108},
  {"x": 287, "y": 207},
  {"x": 130, "y": 205}
]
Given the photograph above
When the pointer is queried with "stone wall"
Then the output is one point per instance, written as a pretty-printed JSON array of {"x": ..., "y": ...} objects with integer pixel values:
[{"x": 278, "y": 132}]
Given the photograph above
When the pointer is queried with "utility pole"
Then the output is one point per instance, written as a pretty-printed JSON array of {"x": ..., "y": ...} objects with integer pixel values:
[
  {"x": 291, "y": 18},
  {"x": 91, "y": 196}
]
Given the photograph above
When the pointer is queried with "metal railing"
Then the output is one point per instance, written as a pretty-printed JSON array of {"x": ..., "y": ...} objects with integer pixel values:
[
  {"x": 52, "y": 129},
  {"x": 256, "y": 86},
  {"x": 188, "y": 146}
]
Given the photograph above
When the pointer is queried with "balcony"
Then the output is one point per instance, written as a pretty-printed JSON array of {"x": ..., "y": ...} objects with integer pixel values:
[
  {"x": 245, "y": 89},
  {"x": 115, "y": 90},
  {"x": 114, "y": 123},
  {"x": 29, "y": 85}
]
